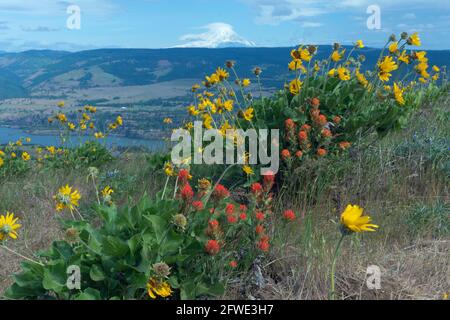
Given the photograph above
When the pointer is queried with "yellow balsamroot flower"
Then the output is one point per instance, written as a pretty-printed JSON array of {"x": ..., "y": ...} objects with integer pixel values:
[
  {"x": 71, "y": 126},
  {"x": 207, "y": 121},
  {"x": 28, "y": 140},
  {"x": 195, "y": 87},
  {"x": 398, "y": 93},
  {"x": 385, "y": 67},
  {"x": 51, "y": 149},
  {"x": 106, "y": 194},
  {"x": 192, "y": 111},
  {"x": 14, "y": 155},
  {"x": 337, "y": 56},
  {"x": 61, "y": 117},
  {"x": 359, "y": 44},
  {"x": 189, "y": 126},
  {"x": 222, "y": 74},
  {"x": 225, "y": 126},
  {"x": 168, "y": 120},
  {"x": 316, "y": 67},
  {"x": 156, "y": 287},
  {"x": 295, "y": 86},
  {"x": 248, "y": 114},
  {"x": 297, "y": 64},
  {"x": 343, "y": 73},
  {"x": 421, "y": 56},
  {"x": 26, "y": 156},
  {"x": 332, "y": 72},
  {"x": 168, "y": 169},
  {"x": 305, "y": 55},
  {"x": 435, "y": 77},
  {"x": 61, "y": 104},
  {"x": 2, "y": 162},
  {"x": 113, "y": 126},
  {"x": 436, "y": 69},
  {"x": 246, "y": 82},
  {"x": 228, "y": 105},
  {"x": 404, "y": 57},
  {"x": 353, "y": 219},
  {"x": 119, "y": 121},
  {"x": 361, "y": 78},
  {"x": 19, "y": 143},
  {"x": 99, "y": 135},
  {"x": 414, "y": 40},
  {"x": 393, "y": 47},
  {"x": 248, "y": 170},
  {"x": 8, "y": 226},
  {"x": 66, "y": 198},
  {"x": 422, "y": 80}
]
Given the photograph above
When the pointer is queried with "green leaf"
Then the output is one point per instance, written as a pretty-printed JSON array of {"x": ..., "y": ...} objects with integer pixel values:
[
  {"x": 55, "y": 277},
  {"x": 159, "y": 226},
  {"x": 89, "y": 294},
  {"x": 114, "y": 247},
  {"x": 96, "y": 273}
]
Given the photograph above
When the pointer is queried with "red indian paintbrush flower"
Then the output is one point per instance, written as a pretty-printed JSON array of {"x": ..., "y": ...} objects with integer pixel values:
[
  {"x": 260, "y": 216},
  {"x": 289, "y": 215},
  {"x": 186, "y": 193},
  {"x": 229, "y": 209},
  {"x": 289, "y": 124},
  {"x": 233, "y": 264},
  {"x": 212, "y": 247},
  {"x": 198, "y": 205},
  {"x": 321, "y": 152},
  {"x": 302, "y": 136},
  {"x": 259, "y": 229},
  {"x": 256, "y": 188},
  {"x": 285, "y": 154},
  {"x": 220, "y": 192}
]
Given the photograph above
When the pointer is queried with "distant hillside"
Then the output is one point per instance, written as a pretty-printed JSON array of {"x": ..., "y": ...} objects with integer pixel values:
[{"x": 109, "y": 74}]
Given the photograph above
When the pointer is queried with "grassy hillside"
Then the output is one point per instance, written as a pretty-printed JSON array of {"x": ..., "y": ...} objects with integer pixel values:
[{"x": 54, "y": 73}]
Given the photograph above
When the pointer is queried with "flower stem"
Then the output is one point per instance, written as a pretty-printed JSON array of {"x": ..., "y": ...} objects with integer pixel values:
[
  {"x": 333, "y": 268},
  {"x": 20, "y": 255}
]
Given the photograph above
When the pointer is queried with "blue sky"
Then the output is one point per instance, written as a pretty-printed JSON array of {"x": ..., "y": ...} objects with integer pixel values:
[{"x": 41, "y": 24}]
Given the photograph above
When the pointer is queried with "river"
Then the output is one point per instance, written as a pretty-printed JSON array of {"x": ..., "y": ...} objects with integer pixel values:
[{"x": 12, "y": 134}]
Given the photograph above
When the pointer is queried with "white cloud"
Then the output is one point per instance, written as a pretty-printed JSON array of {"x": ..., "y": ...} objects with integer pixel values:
[
  {"x": 274, "y": 12},
  {"x": 217, "y": 35},
  {"x": 54, "y": 7},
  {"x": 308, "y": 24}
]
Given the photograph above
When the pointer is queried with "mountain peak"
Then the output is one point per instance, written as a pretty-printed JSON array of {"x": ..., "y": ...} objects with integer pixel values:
[{"x": 217, "y": 35}]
